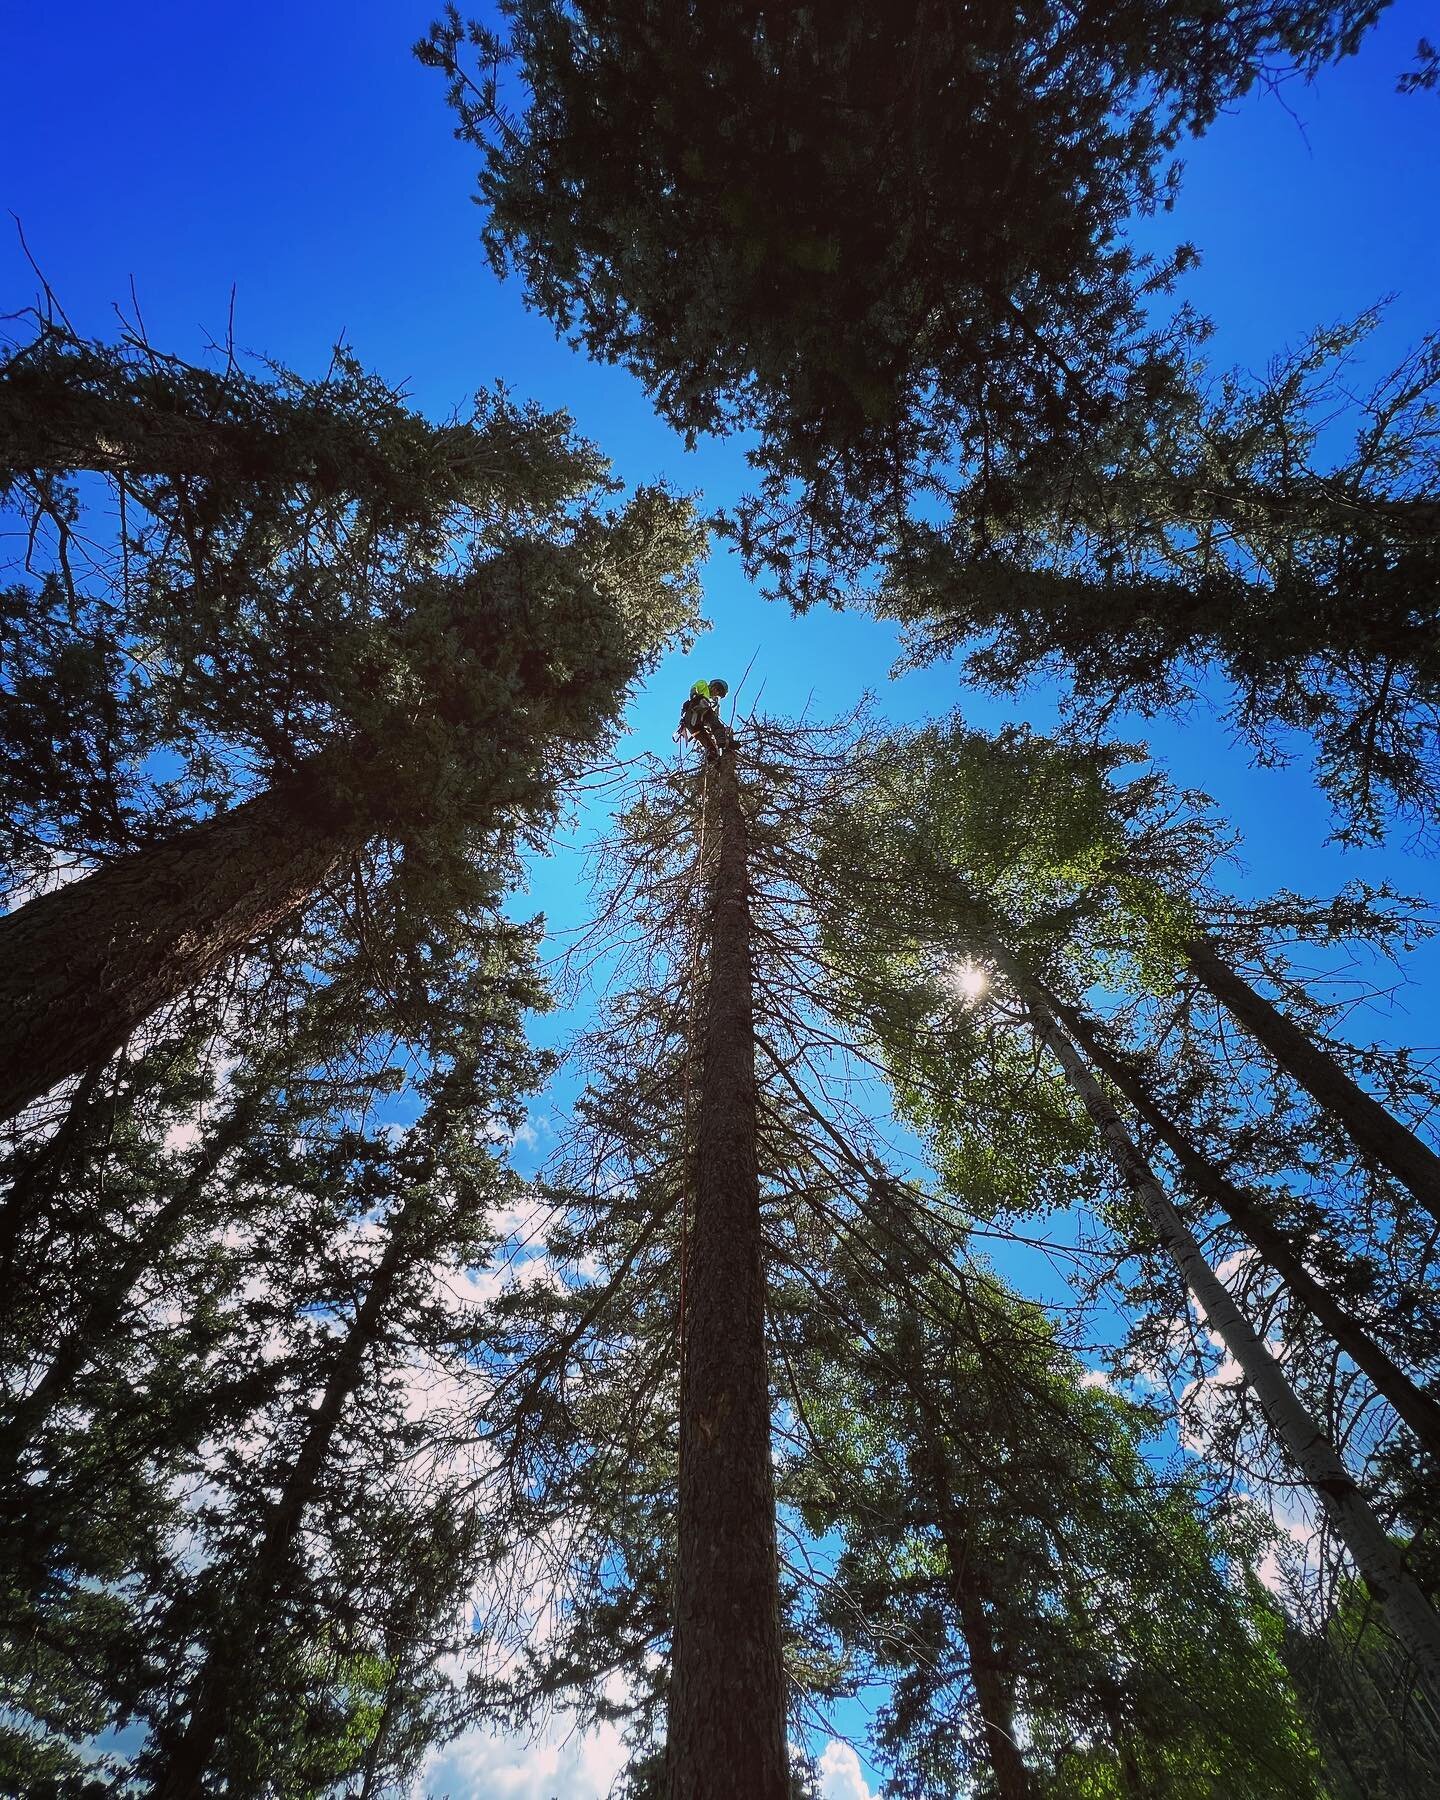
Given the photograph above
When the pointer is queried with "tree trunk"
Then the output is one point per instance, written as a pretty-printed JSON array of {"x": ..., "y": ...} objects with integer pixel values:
[
  {"x": 1369, "y": 1126},
  {"x": 1379, "y": 1563},
  {"x": 26, "y": 1197},
  {"x": 726, "y": 1730},
  {"x": 374, "y": 1754},
  {"x": 179, "y": 1770},
  {"x": 89, "y": 1338},
  {"x": 993, "y": 1688},
  {"x": 1131, "y": 1782},
  {"x": 81, "y": 968},
  {"x": 1411, "y": 1402}
]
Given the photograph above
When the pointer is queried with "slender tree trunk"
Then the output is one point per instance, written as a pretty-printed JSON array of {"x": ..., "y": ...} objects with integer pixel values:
[
  {"x": 1380, "y": 1564},
  {"x": 1369, "y": 1126},
  {"x": 81, "y": 968},
  {"x": 179, "y": 1769},
  {"x": 1131, "y": 1783},
  {"x": 726, "y": 1734},
  {"x": 370, "y": 1782},
  {"x": 25, "y": 1199},
  {"x": 94, "y": 1332},
  {"x": 1412, "y": 1403},
  {"x": 994, "y": 1690}
]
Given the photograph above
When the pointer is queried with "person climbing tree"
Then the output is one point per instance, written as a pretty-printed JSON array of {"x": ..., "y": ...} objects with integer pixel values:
[{"x": 700, "y": 717}]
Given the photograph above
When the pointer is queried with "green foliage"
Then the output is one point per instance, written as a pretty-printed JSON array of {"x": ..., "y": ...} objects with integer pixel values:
[
  {"x": 226, "y": 1241},
  {"x": 1375, "y": 1732},
  {"x": 996, "y": 1515},
  {"x": 888, "y": 241},
  {"x": 942, "y": 851},
  {"x": 224, "y": 448},
  {"x": 1204, "y": 528},
  {"x": 954, "y": 847},
  {"x": 1128, "y": 1622},
  {"x": 891, "y": 244},
  {"x": 433, "y": 669},
  {"x": 204, "y": 1293},
  {"x": 240, "y": 1384}
]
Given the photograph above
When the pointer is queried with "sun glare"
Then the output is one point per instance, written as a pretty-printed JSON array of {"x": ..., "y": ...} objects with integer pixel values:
[{"x": 967, "y": 981}]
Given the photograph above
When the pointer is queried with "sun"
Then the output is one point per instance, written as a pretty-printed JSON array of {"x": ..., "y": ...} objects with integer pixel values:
[{"x": 967, "y": 981}]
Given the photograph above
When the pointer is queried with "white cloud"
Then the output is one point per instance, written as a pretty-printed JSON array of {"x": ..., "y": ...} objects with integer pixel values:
[
  {"x": 59, "y": 874},
  {"x": 524, "y": 1223},
  {"x": 1288, "y": 1567},
  {"x": 533, "y": 1132},
  {"x": 482, "y": 1766},
  {"x": 185, "y": 1135},
  {"x": 528, "y": 1135},
  {"x": 841, "y": 1777}
]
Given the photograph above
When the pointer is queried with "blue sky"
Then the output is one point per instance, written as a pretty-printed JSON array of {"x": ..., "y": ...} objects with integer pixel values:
[{"x": 300, "y": 155}]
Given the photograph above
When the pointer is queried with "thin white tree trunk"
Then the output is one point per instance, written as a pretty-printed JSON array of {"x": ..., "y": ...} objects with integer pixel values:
[
  {"x": 1209, "y": 1181},
  {"x": 1379, "y": 1562}
]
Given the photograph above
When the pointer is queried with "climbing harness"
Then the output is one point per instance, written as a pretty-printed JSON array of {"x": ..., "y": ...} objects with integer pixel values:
[{"x": 700, "y": 717}]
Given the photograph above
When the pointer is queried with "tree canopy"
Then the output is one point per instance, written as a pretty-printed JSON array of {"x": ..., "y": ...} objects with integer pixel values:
[
  {"x": 876, "y": 236},
  {"x": 894, "y": 248},
  {"x": 960, "y": 1277}
]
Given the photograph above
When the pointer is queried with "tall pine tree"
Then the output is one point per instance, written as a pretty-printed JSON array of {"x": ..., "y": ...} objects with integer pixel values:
[{"x": 286, "y": 681}]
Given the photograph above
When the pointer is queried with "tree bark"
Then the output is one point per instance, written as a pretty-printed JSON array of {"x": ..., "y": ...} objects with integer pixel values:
[
  {"x": 726, "y": 1729},
  {"x": 993, "y": 1688},
  {"x": 1379, "y": 1563},
  {"x": 179, "y": 1770},
  {"x": 81, "y": 968},
  {"x": 1417, "y": 1408},
  {"x": 372, "y": 1776},
  {"x": 1369, "y": 1126},
  {"x": 1131, "y": 1782}
]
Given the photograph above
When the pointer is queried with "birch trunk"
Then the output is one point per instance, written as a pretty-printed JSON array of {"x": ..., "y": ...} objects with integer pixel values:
[
  {"x": 1369, "y": 1126},
  {"x": 1378, "y": 1561},
  {"x": 726, "y": 1729},
  {"x": 1411, "y": 1402}
]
